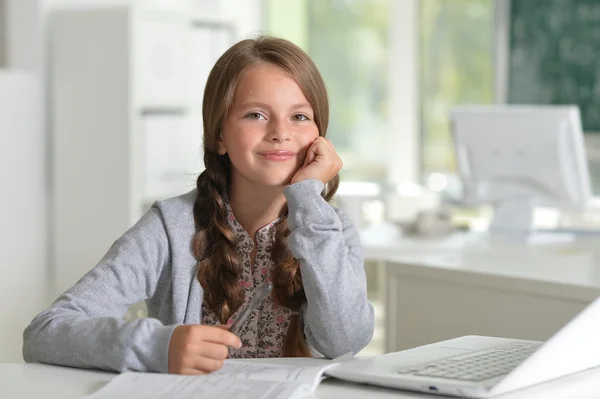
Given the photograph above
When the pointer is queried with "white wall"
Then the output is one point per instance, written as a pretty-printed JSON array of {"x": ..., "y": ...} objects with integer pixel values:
[
  {"x": 22, "y": 200},
  {"x": 23, "y": 34},
  {"x": 2, "y": 33},
  {"x": 23, "y": 168},
  {"x": 20, "y": 34}
]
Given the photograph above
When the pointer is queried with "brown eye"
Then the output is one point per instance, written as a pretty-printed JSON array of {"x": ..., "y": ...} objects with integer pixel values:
[
  {"x": 300, "y": 118},
  {"x": 254, "y": 115}
]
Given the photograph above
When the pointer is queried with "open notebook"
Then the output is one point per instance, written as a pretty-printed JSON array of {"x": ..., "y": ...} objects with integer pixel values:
[{"x": 236, "y": 379}]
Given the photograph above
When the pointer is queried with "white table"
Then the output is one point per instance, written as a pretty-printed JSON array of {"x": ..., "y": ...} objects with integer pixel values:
[
  {"x": 435, "y": 290},
  {"x": 37, "y": 381}
]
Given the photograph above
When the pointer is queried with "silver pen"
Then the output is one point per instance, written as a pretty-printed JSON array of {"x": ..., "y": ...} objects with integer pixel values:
[{"x": 260, "y": 296}]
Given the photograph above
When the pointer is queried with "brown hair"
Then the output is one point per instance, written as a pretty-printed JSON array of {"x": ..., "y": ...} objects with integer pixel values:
[{"x": 214, "y": 244}]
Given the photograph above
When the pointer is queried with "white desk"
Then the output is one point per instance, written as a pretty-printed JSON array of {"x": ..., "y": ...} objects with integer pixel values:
[
  {"x": 435, "y": 290},
  {"x": 35, "y": 381}
]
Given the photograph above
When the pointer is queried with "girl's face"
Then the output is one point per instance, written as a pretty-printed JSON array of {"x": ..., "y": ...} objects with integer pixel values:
[{"x": 269, "y": 128}]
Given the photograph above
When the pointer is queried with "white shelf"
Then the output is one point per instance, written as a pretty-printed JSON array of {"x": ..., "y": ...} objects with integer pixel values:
[
  {"x": 172, "y": 109},
  {"x": 210, "y": 20}
]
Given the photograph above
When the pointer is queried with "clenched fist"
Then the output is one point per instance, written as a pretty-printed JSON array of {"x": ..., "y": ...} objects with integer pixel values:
[{"x": 322, "y": 162}]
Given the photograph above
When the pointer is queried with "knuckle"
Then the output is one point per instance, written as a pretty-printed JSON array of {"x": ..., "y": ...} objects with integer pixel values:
[
  {"x": 222, "y": 352},
  {"x": 214, "y": 365},
  {"x": 187, "y": 340},
  {"x": 190, "y": 335},
  {"x": 183, "y": 331},
  {"x": 192, "y": 371}
]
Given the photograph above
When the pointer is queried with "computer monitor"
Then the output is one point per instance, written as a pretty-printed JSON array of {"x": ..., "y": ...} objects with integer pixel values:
[{"x": 517, "y": 158}]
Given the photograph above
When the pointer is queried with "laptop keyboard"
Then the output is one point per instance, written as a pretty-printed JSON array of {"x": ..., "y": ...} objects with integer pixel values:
[{"x": 478, "y": 365}]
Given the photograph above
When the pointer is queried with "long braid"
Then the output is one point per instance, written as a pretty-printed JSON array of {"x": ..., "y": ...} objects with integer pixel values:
[{"x": 215, "y": 243}]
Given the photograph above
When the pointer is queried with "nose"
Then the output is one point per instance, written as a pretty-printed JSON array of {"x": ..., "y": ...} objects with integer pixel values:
[
  {"x": 277, "y": 139},
  {"x": 278, "y": 132}
]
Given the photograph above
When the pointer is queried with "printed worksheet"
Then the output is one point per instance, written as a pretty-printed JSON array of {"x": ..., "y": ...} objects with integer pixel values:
[{"x": 234, "y": 380}]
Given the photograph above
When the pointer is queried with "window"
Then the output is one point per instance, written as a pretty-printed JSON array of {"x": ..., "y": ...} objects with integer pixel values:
[
  {"x": 456, "y": 66},
  {"x": 349, "y": 42}
]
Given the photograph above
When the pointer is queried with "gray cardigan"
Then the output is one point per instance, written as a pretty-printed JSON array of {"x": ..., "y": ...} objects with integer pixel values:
[{"x": 153, "y": 261}]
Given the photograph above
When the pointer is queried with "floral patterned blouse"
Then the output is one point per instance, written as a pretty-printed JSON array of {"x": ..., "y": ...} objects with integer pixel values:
[{"x": 263, "y": 333}]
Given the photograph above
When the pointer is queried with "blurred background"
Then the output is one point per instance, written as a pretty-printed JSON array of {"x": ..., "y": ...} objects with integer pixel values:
[{"x": 100, "y": 112}]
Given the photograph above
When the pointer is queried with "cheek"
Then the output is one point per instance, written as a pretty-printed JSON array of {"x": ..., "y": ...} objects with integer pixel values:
[
  {"x": 239, "y": 148},
  {"x": 240, "y": 140},
  {"x": 308, "y": 136},
  {"x": 305, "y": 141}
]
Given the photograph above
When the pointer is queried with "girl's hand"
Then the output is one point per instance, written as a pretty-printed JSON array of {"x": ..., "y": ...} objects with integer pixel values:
[
  {"x": 199, "y": 349},
  {"x": 321, "y": 162}
]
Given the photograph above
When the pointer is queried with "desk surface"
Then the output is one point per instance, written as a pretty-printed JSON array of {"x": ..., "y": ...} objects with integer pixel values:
[
  {"x": 573, "y": 264},
  {"x": 35, "y": 381}
]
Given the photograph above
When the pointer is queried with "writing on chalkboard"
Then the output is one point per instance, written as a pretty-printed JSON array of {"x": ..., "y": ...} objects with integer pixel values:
[{"x": 555, "y": 55}]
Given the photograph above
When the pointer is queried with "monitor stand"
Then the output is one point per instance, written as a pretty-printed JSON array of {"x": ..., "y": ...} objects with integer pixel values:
[
  {"x": 512, "y": 217},
  {"x": 513, "y": 222}
]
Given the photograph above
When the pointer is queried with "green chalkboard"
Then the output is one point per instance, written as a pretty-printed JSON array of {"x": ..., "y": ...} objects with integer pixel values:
[{"x": 555, "y": 55}]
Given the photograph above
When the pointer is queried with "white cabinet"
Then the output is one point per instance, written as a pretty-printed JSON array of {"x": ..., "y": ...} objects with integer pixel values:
[
  {"x": 160, "y": 63},
  {"x": 172, "y": 146},
  {"x": 126, "y": 94}
]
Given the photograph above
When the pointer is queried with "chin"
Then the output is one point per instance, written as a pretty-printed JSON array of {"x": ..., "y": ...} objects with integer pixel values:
[{"x": 275, "y": 181}]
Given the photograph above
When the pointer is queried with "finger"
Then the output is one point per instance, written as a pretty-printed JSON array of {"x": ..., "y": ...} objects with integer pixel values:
[
  {"x": 311, "y": 154},
  {"x": 330, "y": 144},
  {"x": 205, "y": 365},
  {"x": 325, "y": 150},
  {"x": 213, "y": 351},
  {"x": 336, "y": 155},
  {"x": 191, "y": 371},
  {"x": 322, "y": 144},
  {"x": 219, "y": 336}
]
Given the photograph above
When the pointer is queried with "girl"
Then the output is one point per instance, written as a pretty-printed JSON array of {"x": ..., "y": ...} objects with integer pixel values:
[{"x": 260, "y": 213}]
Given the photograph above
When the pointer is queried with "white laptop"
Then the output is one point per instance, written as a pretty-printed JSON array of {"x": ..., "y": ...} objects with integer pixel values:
[{"x": 482, "y": 367}]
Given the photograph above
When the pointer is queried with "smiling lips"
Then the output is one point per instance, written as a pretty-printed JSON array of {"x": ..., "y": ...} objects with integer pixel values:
[{"x": 277, "y": 155}]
